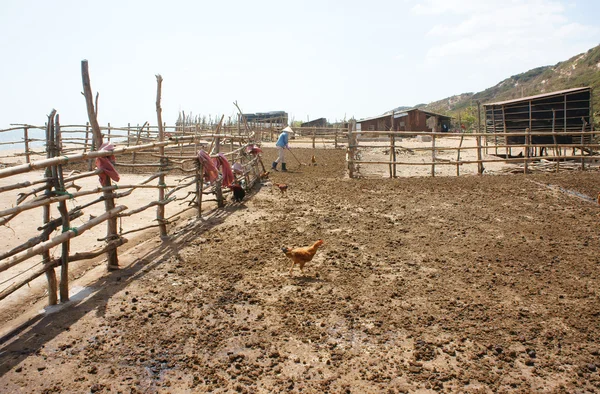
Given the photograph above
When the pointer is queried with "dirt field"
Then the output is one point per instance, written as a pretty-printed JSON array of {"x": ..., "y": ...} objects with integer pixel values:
[{"x": 471, "y": 284}]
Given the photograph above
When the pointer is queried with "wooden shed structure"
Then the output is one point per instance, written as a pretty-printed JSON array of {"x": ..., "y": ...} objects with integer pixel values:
[
  {"x": 321, "y": 122},
  {"x": 414, "y": 119},
  {"x": 267, "y": 119},
  {"x": 567, "y": 110}
]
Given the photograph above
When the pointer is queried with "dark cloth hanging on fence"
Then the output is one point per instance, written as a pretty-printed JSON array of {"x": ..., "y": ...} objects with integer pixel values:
[
  {"x": 210, "y": 171},
  {"x": 211, "y": 168},
  {"x": 106, "y": 164},
  {"x": 254, "y": 149},
  {"x": 225, "y": 167}
]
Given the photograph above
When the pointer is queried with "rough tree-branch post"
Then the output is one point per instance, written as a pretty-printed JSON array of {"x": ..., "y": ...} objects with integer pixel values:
[{"x": 109, "y": 202}]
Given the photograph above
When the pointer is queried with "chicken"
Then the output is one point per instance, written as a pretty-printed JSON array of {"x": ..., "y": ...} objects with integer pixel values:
[
  {"x": 313, "y": 160},
  {"x": 282, "y": 187},
  {"x": 303, "y": 255},
  {"x": 238, "y": 192},
  {"x": 264, "y": 175},
  {"x": 598, "y": 198}
]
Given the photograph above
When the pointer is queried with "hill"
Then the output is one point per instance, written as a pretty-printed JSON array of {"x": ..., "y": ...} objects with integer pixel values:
[{"x": 580, "y": 70}]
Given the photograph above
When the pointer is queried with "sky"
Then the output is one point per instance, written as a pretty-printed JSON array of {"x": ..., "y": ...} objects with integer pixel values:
[{"x": 312, "y": 59}]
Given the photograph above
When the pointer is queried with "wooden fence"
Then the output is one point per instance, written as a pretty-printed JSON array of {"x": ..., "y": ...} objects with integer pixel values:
[
  {"x": 176, "y": 155},
  {"x": 168, "y": 157},
  {"x": 334, "y": 135},
  {"x": 555, "y": 156}
]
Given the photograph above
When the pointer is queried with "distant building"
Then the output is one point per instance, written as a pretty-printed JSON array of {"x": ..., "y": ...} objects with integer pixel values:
[
  {"x": 414, "y": 119},
  {"x": 321, "y": 122},
  {"x": 567, "y": 110},
  {"x": 279, "y": 118}
]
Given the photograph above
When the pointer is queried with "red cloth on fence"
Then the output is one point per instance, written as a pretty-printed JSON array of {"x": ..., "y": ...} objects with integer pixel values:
[
  {"x": 211, "y": 173},
  {"x": 254, "y": 149},
  {"x": 222, "y": 162},
  {"x": 106, "y": 164}
]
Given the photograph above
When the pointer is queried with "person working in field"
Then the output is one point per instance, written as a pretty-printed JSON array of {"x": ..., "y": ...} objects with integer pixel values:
[{"x": 281, "y": 144}]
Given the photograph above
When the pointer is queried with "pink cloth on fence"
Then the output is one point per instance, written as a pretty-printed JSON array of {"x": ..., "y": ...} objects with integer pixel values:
[
  {"x": 237, "y": 168},
  {"x": 254, "y": 149},
  {"x": 211, "y": 173},
  {"x": 222, "y": 162},
  {"x": 106, "y": 164}
]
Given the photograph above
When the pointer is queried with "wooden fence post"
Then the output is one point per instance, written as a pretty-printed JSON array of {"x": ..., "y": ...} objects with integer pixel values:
[
  {"x": 335, "y": 139},
  {"x": 433, "y": 153},
  {"x": 59, "y": 187},
  {"x": 199, "y": 187},
  {"x": 556, "y": 147},
  {"x": 527, "y": 140},
  {"x": 26, "y": 139},
  {"x": 50, "y": 273},
  {"x": 160, "y": 209},
  {"x": 390, "y": 157},
  {"x": 462, "y": 137},
  {"x": 478, "y": 139},
  {"x": 89, "y": 146},
  {"x": 583, "y": 126},
  {"x": 87, "y": 137},
  {"x": 215, "y": 150},
  {"x": 394, "y": 154},
  {"x": 109, "y": 201},
  {"x": 351, "y": 150}
]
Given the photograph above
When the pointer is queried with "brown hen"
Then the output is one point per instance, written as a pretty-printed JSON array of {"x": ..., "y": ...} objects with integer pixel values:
[{"x": 303, "y": 255}]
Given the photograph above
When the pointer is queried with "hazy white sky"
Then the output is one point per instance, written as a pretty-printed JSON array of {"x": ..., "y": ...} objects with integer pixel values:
[{"x": 314, "y": 59}]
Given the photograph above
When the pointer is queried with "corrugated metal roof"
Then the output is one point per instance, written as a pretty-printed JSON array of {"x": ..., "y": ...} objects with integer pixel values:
[
  {"x": 404, "y": 113},
  {"x": 385, "y": 115},
  {"x": 538, "y": 96},
  {"x": 434, "y": 114}
]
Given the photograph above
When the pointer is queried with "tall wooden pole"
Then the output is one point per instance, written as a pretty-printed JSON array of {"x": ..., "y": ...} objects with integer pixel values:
[
  {"x": 109, "y": 201},
  {"x": 478, "y": 139},
  {"x": 352, "y": 141},
  {"x": 160, "y": 210},
  {"x": 50, "y": 273},
  {"x": 66, "y": 222},
  {"x": 215, "y": 150},
  {"x": 433, "y": 151},
  {"x": 87, "y": 93}
]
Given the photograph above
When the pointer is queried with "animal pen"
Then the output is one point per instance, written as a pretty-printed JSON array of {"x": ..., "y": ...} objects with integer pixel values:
[
  {"x": 335, "y": 135},
  {"x": 175, "y": 166},
  {"x": 550, "y": 132}
]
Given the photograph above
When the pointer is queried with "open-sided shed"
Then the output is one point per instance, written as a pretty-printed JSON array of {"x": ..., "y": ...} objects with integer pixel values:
[{"x": 567, "y": 110}]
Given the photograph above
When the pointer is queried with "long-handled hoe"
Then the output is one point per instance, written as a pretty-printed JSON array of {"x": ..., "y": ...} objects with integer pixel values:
[{"x": 299, "y": 163}]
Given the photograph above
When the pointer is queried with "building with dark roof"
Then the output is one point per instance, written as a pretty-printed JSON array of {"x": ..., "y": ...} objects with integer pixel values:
[
  {"x": 568, "y": 110},
  {"x": 413, "y": 119}
]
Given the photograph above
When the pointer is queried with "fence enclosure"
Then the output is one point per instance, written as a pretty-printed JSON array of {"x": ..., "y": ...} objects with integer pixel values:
[{"x": 573, "y": 154}]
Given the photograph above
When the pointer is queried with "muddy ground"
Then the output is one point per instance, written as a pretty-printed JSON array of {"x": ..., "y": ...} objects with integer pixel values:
[{"x": 471, "y": 284}]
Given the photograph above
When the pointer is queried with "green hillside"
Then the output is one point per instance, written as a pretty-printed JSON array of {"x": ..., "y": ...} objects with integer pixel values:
[{"x": 580, "y": 70}]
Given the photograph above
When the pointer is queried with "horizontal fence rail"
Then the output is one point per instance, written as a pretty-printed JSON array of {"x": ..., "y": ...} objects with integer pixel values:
[
  {"x": 522, "y": 147},
  {"x": 168, "y": 158}
]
